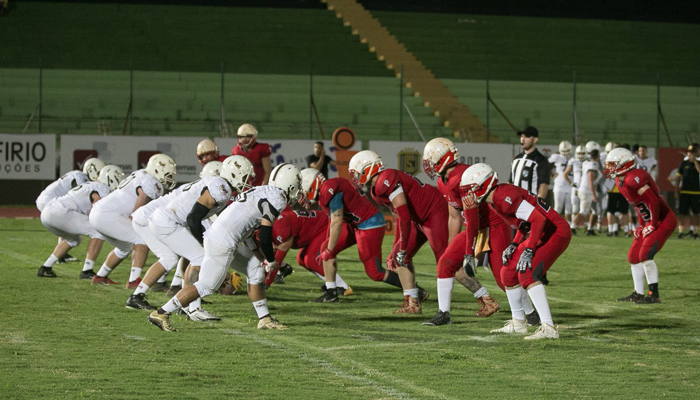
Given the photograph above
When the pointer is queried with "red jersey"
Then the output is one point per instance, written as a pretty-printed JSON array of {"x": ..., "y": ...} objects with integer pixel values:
[
  {"x": 450, "y": 190},
  {"x": 356, "y": 207},
  {"x": 527, "y": 213},
  {"x": 255, "y": 156},
  {"x": 650, "y": 207},
  {"x": 303, "y": 226},
  {"x": 421, "y": 199}
]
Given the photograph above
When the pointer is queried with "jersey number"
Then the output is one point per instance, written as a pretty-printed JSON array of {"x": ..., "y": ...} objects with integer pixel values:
[
  {"x": 126, "y": 181},
  {"x": 643, "y": 210},
  {"x": 305, "y": 214},
  {"x": 242, "y": 197}
]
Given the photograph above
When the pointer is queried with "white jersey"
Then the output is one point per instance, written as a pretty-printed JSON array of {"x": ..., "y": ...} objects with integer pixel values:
[
  {"x": 61, "y": 186},
  {"x": 142, "y": 215},
  {"x": 182, "y": 204},
  {"x": 122, "y": 200},
  {"x": 589, "y": 165},
  {"x": 79, "y": 199},
  {"x": 238, "y": 222},
  {"x": 560, "y": 163},
  {"x": 646, "y": 164},
  {"x": 576, "y": 167}
]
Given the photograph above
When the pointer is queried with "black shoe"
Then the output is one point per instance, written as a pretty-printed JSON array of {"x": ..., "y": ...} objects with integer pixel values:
[
  {"x": 544, "y": 279},
  {"x": 159, "y": 287},
  {"x": 330, "y": 296},
  {"x": 648, "y": 300},
  {"x": 172, "y": 290},
  {"x": 616, "y": 233},
  {"x": 681, "y": 235},
  {"x": 45, "y": 272},
  {"x": 574, "y": 232},
  {"x": 591, "y": 232},
  {"x": 696, "y": 236},
  {"x": 533, "y": 319},
  {"x": 87, "y": 274},
  {"x": 279, "y": 279},
  {"x": 609, "y": 234},
  {"x": 441, "y": 318},
  {"x": 285, "y": 270},
  {"x": 138, "y": 302},
  {"x": 66, "y": 259},
  {"x": 633, "y": 297},
  {"x": 422, "y": 293}
]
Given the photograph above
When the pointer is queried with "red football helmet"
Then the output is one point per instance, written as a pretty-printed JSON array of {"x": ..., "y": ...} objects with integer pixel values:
[
  {"x": 438, "y": 154},
  {"x": 618, "y": 162}
]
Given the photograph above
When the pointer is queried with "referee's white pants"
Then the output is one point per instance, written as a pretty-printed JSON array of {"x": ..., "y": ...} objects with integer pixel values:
[{"x": 218, "y": 258}]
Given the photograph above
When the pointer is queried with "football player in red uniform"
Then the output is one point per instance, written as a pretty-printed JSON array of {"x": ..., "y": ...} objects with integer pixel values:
[
  {"x": 420, "y": 214},
  {"x": 542, "y": 236},
  {"x": 656, "y": 222},
  {"x": 257, "y": 153},
  {"x": 340, "y": 200},
  {"x": 306, "y": 231}
]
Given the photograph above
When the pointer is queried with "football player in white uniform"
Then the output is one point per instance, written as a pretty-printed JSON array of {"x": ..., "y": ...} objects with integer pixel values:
[
  {"x": 228, "y": 241},
  {"x": 644, "y": 162},
  {"x": 177, "y": 230},
  {"x": 588, "y": 191},
  {"x": 112, "y": 217},
  {"x": 573, "y": 169},
  {"x": 67, "y": 218},
  {"x": 562, "y": 186}
]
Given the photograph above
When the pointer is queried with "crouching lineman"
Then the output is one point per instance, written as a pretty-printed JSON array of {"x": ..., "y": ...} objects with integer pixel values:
[
  {"x": 225, "y": 242},
  {"x": 656, "y": 222},
  {"x": 67, "y": 218},
  {"x": 549, "y": 235},
  {"x": 111, "y": 217}
]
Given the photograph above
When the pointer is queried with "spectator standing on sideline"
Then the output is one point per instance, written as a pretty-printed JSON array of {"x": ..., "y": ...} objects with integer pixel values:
[
  {"x": 688, "y": 190},
  {"x": 319, "y": 160},
  {"x": 257, "y": 153},
  {"x": 530, "y": 169}
]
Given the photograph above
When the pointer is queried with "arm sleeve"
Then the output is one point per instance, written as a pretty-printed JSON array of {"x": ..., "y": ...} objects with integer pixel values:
[
  {"x": 336, "y": 202},
  {"x": 266, "y": 243},
  {"x": 194, "y": 220},
  {"x": 279, "y": 256},
  {"x": 404, "y": 225},
  {"x": 471, "y": 218},
  {"x": 651, "y": 200},
  {"x": 537, "y": 222}
]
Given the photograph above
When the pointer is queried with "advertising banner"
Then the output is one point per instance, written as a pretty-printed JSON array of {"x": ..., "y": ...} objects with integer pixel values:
[{"x": 28, "y": 156}]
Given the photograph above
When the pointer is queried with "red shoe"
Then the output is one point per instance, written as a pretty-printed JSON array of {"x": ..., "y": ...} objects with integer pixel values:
[
  {"x": 99, "y": 280},
  {"x": 488, "y": 306},
  {"x": 409, "y": 306},
  {"x": 133, "y": 284}
]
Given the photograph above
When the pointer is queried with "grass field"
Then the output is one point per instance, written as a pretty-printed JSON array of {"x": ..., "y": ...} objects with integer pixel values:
[{"x": 63, "y": 338}]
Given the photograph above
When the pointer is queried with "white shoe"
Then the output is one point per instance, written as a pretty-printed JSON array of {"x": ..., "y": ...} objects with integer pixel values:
[
  {"x": 545, "y": 331},
  {"x": 269, "y": 322},
  {"x": 512, "y": 326},
  {"x": 201, "y": 315}
]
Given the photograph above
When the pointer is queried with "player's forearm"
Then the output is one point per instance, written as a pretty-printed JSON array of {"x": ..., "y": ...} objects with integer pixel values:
[
  {"x": 334, "y": 230},
  {"x": 454, "y": 225}
]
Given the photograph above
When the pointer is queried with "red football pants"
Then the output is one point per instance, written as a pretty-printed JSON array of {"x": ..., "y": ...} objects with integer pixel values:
[
  {"x": 645, "y": 248},
  {"x": 369, "y": 247},
  {"x": 433, "y": 230},
  {"x": 545, "y": 255}
]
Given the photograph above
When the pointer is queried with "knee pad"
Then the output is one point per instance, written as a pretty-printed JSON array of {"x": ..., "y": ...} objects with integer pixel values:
[
  {"x": 204, "y": 290},
  {"x": 73, "y": 243},
  {"x": 122, "y": 253},
  {"x": 256, "y": 273},
  {"x": 509, "y": 277},
  {"x": 169, "y": 262}
]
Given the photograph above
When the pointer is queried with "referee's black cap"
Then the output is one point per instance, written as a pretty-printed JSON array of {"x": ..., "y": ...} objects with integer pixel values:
[{"x": 530, "y": 131}]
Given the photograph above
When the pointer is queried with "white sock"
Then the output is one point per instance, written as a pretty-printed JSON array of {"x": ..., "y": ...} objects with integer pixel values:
[
  {"x": 141, "y": 288},
  {"x": 638, "y": 278},
  {"x": 572, "y": 225},
  {"x": 539, "y": 299},
  {"x": 527, "y": 305},
  {"x": 329, "y": 286},
  {"x": 481, "y": 293},
  {"x": 104, "y": 271},
  {"x": 339, "y": 282},
  {"x": 514, "y": 299},
  {"x": 135, "y": 273},
  {"x": 411, "y": 293},
  {"x": 651, "y": 271},
  {"x": 89, "y": 264},
  {"x": 162, "y": 278},
  {"x": 50, "y": 261},
  {"x": 616, "y": 227},
  {"x": 323, "y": 278},
  {"x": 172, "y": 305},
  {"x": 611, "y": 228},
  {"x": 194, "y": 305},
  {"x": 625, "y": 228},
  {"x": 444, "y": 289},
  {"x": 177, "y": 280},
  {"x": 261, "y": 307}
]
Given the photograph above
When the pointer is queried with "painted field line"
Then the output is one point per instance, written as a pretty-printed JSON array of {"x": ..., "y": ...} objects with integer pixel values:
[{"x": 20, "y": 257}]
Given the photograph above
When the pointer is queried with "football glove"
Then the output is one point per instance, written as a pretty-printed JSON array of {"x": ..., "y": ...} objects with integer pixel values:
[
  {"x": 401, "y": 258},
  {"x": 647, "y": 230},
  {"x": 271, "y": 266},
  {"x": 390, "y": 263},
  {"x": 638, "y": 232},
  {"x": 508, "y": 252},
  {"x": 525, "y": 261},
  {"x": 469, "y": 265},
  {"x": 232, "y": 284},
  {"x": 327, "y": 255}
]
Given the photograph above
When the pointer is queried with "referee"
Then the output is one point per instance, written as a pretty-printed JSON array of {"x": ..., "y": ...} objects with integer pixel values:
[{"x": 530, "y": 170}]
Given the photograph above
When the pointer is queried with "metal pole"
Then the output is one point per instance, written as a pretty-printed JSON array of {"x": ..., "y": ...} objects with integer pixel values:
[
  {"x": 223, "y": 131},
  {"x": 658, "y": 110},
  {"x": 400, "y": 105},
  {"x": 41, "y": 90},
  {"x": 131, "y": 97},
  {"x": 488, "y": 106},
  {"x": 574, "y": 114},
  {"x": 311, "y": 102}
]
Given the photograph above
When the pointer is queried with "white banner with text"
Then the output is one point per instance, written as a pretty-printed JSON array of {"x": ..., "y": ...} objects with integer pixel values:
[{"x": 28, "y": 156}]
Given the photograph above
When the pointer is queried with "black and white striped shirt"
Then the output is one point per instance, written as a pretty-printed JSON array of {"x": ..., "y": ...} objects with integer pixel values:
[{"x": 528, "y": 171}]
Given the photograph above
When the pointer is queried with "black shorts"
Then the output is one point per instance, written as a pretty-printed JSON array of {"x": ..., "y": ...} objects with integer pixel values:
[
  {"x": 617, "y": 203},
  {"x": 689, "y": 201}
]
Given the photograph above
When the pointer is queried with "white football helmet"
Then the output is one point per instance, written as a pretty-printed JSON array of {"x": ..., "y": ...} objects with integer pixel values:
[
  {"x": 111, "y": 176},
  {"x": 238, "y": 171},
  {"x": 162, "y": 167},
  {"x": 618, "y": 162},
  {"x": 311, "y": 181},
  {"x": 565, "y": 149},
  {"x": 207, "y": 151},
  {"x": 363, "y": 166},
  {"x": 581, "y": 153},
  {"x": 477, "y": 181},
  {"x": 247, "y": 136},
  {"x": 212, "y": 168},
  {"x": 288, "y": 178},
  {"x": 590, "y": 146},
  {"x": 438, "y": 154},
  {"x": 92, "y": 168},
  {"x": 610, "y": 146}
]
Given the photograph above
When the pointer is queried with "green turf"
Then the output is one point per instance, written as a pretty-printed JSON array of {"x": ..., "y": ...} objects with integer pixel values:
[{"x": 63, "y": 338}]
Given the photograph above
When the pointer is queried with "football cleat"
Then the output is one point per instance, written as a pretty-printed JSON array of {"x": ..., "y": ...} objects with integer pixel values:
[
  {"x": 488, "y": 306},
  {"x": 681, "y": 235},
  {"x": 66, "y": 259},
  {"x": 533, "y": 319},
  {"x": 279, "y": 279},
  {"x": 512, "y": 326},
  {"x": 330, "y": 296},
  {"x": 648, "y": 300},
  {"x": 574, "y": 232},
  {"x": 268, "y": 322},
  {"x": 87, "y": 274},
  {"x": 343, "y": 291},
  {"x": 162, "y": 321},
  {"x": 422, "y": 294},
  {"x": 102, "y": 280},
  {"x": 200, "y": 315},
  {"x": 133, "y": 284},
  {"x": 158, "y": 287},
  {"x": 410, "y": 306},
  {"x": 45, "y": 272},
  {"x": 172, "y": 290},
  {"x": 441, "y": 318},
  {"x": 591, "y": 232},
  {"x": 139, "y": 302},
  {"x": 545, "y": 331},
  {"x": 633, "y": 297},
  {"x": 285, "y": 270}
]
